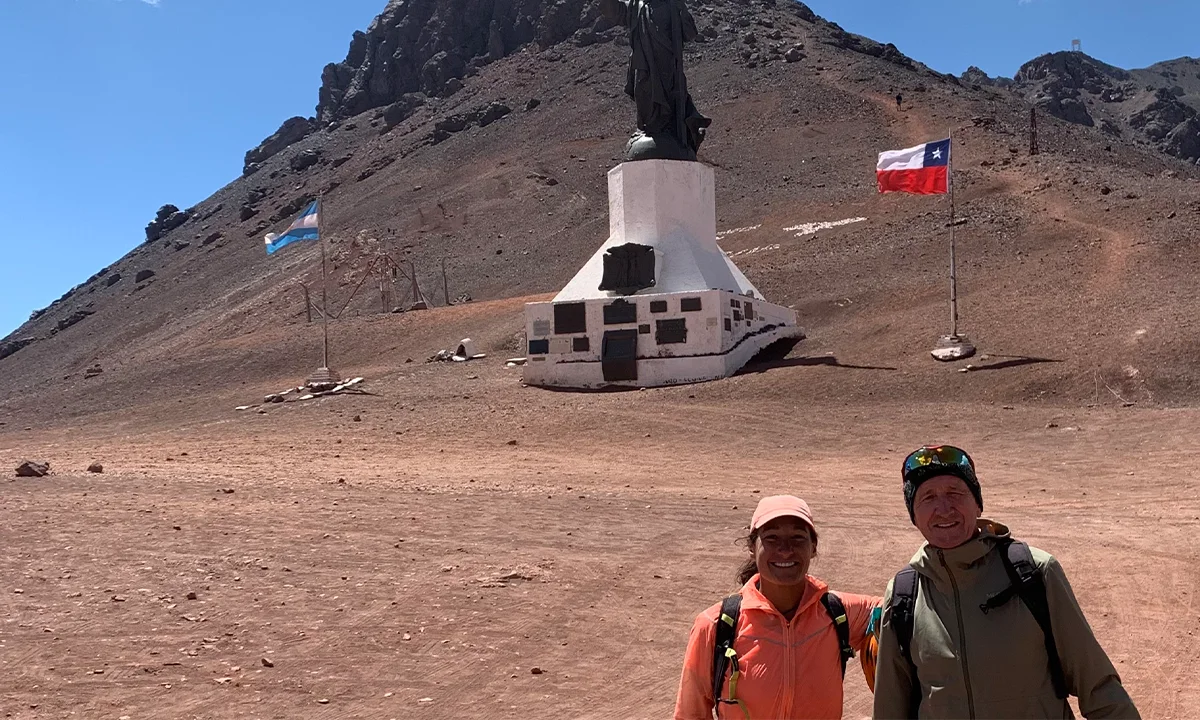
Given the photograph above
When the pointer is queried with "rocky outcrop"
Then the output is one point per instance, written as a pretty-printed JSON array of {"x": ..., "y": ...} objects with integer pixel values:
[
  {"x": 401, "y": 110},
  {"x": 167, "y": 219},
  {"x": 72, "y": 319},
  {"x": 1056, "y": 83},
  {"x": 1184, "y": 140},
  {"x": 428, "y": 46},
  {"x": 304, "y": 159},
  {"x": 292, "y": 207},
  {"x": 1071, "y": 109},
  {"x": 859, "y": 44},
  {"x": 976, "y": 76},
  {"x": 805, "y": 13},
  {"x": 1071, "y": 71},
  {"x": 482, "y": 117},
  {"x": 291, "y": 132},
  {"x": 8, "y": 347},
  {"x": 1148, "y": 104},
  {"x": 1161, "y": 115}
]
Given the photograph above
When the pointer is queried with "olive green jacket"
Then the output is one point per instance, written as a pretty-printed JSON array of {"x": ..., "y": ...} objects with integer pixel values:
[{"x": 966, "y": 664}]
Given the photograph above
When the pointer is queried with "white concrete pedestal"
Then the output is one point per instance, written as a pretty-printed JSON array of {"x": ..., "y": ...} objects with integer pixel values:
[{"x": 670, "y": 206}]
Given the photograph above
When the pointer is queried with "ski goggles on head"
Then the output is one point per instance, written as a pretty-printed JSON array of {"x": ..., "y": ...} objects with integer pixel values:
[{"x": 945, "y": 458}]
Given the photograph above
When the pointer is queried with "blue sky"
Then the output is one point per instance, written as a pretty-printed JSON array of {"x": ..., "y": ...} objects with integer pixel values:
[
  {"x": 1000, "y": 35},
  {"x": 112, "y": 108}
]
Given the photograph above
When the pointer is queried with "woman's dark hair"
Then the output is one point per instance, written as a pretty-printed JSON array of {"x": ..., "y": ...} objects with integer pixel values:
[{"x": 750, "y": 567}]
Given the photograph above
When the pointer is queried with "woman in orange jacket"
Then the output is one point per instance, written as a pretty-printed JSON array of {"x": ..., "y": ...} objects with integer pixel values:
[{"x": 780, "y": 652}]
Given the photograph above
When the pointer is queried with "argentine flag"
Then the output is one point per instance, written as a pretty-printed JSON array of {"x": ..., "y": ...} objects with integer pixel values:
[{"x": 304, "y": 228}]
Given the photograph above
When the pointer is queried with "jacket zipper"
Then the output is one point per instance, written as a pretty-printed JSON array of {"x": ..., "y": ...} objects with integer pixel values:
[
  {"x": 789, "y": 673},
  {"x": 962, "y": 637}
]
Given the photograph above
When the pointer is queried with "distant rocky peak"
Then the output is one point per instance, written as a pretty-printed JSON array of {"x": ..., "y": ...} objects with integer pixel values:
[
  {"x": 291, "y": 132},
  {"x": 1157, "y": 105},
  {"x": 1071, "y": 69},
  {"x": 430, "y": 46},
  {"x": 976, "y": 76}
]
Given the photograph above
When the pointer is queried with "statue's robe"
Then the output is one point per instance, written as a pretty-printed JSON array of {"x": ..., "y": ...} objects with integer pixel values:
[{"x": 655, "y": 76}]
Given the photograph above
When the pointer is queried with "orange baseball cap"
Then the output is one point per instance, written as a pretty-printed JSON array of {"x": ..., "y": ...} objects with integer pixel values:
[{"x": 777, "y": 506}]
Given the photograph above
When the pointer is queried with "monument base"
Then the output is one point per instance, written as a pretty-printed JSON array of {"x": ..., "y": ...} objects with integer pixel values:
[
  {"x": 952, "y": 347},
  {"x": 322, "y": 379},
  {"x": 694, "y": 316}
]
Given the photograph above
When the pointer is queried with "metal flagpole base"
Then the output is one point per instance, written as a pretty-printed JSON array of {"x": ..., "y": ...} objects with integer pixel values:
[
  {"x": 952, "y": 347},
  {"x": 323, "y": 379}
]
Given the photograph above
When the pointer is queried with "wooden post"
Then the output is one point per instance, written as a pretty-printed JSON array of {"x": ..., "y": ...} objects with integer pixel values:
[
  {"x": 1033, "y": 138},
  {"x": 307, "y": 302}
]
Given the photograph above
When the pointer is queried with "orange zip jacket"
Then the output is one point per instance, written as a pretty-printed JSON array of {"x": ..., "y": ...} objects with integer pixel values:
[{"x": 789, "y": 669}]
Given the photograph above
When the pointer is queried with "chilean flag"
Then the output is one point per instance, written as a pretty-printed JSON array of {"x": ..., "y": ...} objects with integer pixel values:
[{"x": 921, "y": 170}]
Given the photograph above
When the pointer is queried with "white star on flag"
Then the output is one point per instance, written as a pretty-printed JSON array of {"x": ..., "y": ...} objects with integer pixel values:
[{"x": 937, "y": 154}]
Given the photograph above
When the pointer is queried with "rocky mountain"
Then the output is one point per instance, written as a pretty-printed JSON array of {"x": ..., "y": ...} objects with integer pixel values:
[
  {"x": 430, "y": 46},
  {"x": 975, "y": 77},
  {"x": 1180, "y": 76},
  {"x": 418, "y": 49},
  {"x": 478, "y": 134},
  {"x": 1157, "y": 106}
]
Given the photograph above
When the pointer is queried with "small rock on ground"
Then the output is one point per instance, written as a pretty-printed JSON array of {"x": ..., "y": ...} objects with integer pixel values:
[{"x": 29, "y": 468}]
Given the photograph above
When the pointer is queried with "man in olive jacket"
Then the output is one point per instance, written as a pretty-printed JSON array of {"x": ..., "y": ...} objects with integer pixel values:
[{"x": 963, "y": 661}]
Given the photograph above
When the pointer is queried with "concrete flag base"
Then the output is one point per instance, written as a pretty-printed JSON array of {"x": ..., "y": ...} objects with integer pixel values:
[{"x": 952, "y": 347}]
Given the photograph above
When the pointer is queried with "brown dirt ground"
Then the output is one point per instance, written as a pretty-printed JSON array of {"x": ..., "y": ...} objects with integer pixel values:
[{"x": 415, "y": 564}]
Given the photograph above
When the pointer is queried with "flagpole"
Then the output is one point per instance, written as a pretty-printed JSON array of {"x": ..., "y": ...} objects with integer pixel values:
[
  {"x": 953, "y": 257},
  {"x": 953, "y": 346},
  {"x": 324, "y": 291}
]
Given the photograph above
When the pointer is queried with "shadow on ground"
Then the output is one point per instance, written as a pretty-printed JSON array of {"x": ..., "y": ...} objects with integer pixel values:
[
  {"x": 1012, "y": 361},
  {"x": 759, "y": 366}
]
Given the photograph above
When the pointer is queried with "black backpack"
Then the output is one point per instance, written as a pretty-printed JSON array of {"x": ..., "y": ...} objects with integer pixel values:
[
  {"x": 1026, "y": 582},
  {"x": 725, "y": 657}
]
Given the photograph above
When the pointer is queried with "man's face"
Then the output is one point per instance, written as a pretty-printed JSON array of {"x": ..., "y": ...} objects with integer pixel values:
[{"x": 945, "y": 511}]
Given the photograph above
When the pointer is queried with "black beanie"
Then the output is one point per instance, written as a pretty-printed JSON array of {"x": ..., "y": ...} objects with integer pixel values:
[{"x": 914, "y": 479}]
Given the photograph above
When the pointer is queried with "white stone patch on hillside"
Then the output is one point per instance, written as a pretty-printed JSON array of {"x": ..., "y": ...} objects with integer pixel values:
[
  {"x": 753, "y": 250},
  {"x": 735, "y": 231},
  {"x": 800, "y": 231},
  {"x": 810, "y": 228}
]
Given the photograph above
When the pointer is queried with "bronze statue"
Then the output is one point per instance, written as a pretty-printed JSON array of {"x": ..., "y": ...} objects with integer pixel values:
[{"x": 669, "y": 126}]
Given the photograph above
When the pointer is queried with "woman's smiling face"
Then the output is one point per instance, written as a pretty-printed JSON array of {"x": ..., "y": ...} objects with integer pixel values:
[{"x": 784, "y": 550}]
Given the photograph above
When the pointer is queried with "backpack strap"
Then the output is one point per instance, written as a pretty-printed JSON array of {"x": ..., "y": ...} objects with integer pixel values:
[
  {"x": 903, "y": 607},
  {"x": 1026, "y": 581},
  {"x": 841, "y": 624},
  {"x": 724, "y": 656}
]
